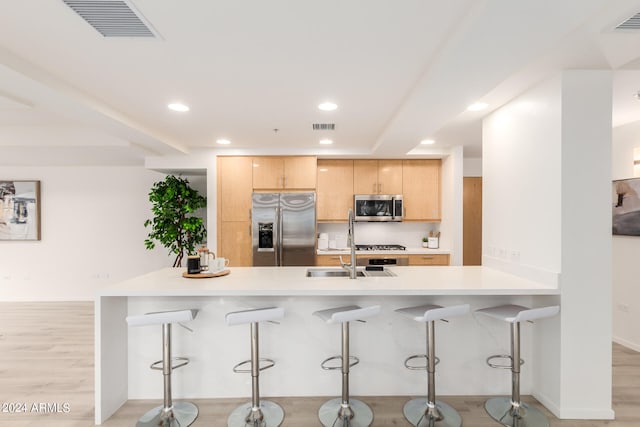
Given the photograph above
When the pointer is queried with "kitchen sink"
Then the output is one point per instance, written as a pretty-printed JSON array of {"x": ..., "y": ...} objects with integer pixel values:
[{"x": 339, "y": 272}]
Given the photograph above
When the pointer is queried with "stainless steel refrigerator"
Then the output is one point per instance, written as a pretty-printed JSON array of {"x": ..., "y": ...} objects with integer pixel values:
[{"x": 284, "y": 229}]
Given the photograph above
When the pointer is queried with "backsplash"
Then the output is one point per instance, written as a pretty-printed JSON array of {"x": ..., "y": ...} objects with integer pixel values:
[{"x": 407, "y": 234}]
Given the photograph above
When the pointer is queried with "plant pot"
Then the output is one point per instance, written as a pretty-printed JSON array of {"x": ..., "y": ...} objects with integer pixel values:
[{"x": 425, "y": 244}]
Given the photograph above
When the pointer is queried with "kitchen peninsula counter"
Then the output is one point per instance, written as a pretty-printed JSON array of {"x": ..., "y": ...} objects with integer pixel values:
[
  {"x": 292, "y": 281},
  {"x": 301, "y": 341}
]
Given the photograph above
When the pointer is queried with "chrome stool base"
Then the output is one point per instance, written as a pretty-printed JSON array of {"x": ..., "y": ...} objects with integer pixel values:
[
  {"x": 182, "y": 414},
  {"x": 415, "y": 412},
  {"x": 501, "y": 410},
  {"x": 329, "y": 414},
  {"x": 272, "y": 415}
]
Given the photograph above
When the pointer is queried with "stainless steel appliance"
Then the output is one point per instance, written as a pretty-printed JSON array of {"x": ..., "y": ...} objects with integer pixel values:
[
  {"x": 384, "y": 247},
  {"x": 382, "y": 259},
  {"x": 378, "y": 207},
  {"x": 283, "y": 229}
]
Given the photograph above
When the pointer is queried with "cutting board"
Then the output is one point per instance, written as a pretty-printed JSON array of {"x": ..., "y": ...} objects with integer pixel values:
[{"x": 206, "y": 275}]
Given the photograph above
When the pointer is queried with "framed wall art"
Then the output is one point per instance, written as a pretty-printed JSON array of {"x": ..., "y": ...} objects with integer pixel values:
[
  {"x": 626, "y": 207},
  {"x": 19, "y": 210}
]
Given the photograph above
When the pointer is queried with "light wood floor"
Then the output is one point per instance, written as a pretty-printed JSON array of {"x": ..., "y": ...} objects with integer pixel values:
[{"x": 46, "y": 357}]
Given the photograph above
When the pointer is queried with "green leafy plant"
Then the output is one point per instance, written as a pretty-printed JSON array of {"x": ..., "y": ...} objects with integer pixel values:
[{"x": 173, "y": 225}]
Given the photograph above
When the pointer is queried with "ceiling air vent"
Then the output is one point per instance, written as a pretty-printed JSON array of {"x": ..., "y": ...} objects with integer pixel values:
[
  {"x": 632, "y": 23},
  {"x": 112, "y": 18},
  {"x": 324, "y": 126}
]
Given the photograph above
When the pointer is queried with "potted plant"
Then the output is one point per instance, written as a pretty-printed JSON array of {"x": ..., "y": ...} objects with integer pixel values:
[
  {"x": 425, "y": 241},
  {"x": 174, "y": 225}
]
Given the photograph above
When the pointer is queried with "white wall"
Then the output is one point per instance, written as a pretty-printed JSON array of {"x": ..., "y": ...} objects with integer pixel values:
[
  {"x": 521, "y": 184},
  {"x": 546, "y": 198},
  {"x": 451, "y": 201},
  {"x": 626, "y": 269},
  {"x": 472, "y": 166},
  {"x": 92, "y": 233}
]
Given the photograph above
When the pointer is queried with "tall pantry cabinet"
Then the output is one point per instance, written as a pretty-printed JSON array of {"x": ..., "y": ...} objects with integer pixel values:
[{"x": 235, "y": 187}]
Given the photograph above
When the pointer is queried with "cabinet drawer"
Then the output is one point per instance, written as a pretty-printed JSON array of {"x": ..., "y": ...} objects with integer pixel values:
[
  {"x": 331, "y": 260},
  {"x": 427, "y": 259}
]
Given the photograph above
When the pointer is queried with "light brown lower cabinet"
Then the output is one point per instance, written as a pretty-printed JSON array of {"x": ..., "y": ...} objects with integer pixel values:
[
  {"x": 235, "y": 243},
  {"x": 331, "y": 260},
  {"x": 427, "y": 259}
]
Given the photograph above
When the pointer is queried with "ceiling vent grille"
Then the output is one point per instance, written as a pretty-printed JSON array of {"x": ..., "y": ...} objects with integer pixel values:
[
  {"x": 632, "y": 23},
  {"x": 324, "y": 126},
  {"x": 112, "y": 18}
]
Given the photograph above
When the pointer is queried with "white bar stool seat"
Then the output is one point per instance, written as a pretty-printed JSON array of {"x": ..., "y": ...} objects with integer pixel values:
[
  {"x": 512, "y": 412},
  {"x": 257, "y": 413},
  {"x": 345, "y": 412},
  {"x": 170, "y": 414},
  {"x": 431, "y": 412}
]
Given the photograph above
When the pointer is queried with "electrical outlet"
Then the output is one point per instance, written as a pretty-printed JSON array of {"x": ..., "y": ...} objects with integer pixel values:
[{"x": 515, "y": 256}]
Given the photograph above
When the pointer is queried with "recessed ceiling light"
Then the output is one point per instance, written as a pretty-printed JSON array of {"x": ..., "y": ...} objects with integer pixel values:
[
  {"x": 327, "y": 106},
  {"x": 177, "y": 106},
  {"x": 326, "y": 141},
  {"x": 477, "y": 106},
  {"x": 223, "y": 142},
  {"x": 427, "y": 142}
]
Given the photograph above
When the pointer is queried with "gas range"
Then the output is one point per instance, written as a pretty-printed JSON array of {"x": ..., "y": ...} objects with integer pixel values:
[{"x": 380, "y": 248}]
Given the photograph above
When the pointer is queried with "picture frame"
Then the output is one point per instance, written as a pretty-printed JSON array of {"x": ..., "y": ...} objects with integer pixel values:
[
  {"x": 626, "y": 207},
  {"x": 19, "y": 210}
]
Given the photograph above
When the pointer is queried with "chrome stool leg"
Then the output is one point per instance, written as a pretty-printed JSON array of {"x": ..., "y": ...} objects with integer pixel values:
[
  {"x": 430, "y": 412},
  {"x": 256, "y": 413},
  {"x": 344, "y": 411},
  {"x": 180, "y": 414},
  {"x": 512, "y": 412}
]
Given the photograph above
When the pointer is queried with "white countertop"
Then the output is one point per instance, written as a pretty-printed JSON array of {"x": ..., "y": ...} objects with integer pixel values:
[
  {"x": 291, "y": 281},
  {"x": 408, "y": 251}
]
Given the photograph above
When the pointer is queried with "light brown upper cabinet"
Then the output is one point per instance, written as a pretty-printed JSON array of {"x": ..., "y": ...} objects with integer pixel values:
[
  {"x": 421, "y": 189},
  {"x": 335, "y": 189},
  {"x": 284, "y": 173},
  {"x": 234, "y": 188},
  {"x": 377, "y": 177}
]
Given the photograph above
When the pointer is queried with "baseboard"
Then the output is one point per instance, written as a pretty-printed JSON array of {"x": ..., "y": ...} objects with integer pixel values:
[
  {"x": 625, "y": 343},
  {"x": 575, "y": 413},
  {"x": 547, "y": 403}
]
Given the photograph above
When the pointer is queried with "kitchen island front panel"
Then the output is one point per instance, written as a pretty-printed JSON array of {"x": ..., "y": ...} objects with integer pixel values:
[{"x": 300, "y": 342}]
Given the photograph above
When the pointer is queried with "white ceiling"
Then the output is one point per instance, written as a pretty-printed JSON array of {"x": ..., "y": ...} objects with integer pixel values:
[{"x": 400, "y": 72}]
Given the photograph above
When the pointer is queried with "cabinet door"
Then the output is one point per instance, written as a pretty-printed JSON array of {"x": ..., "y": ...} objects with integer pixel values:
[
  {"x": 300, "y": 172},
  {"x": 335, "y": 189},
  {"x": 235, "y": 243},
  {"x": 435, "y": 259},
  {"x": 234, "y": 188},
  {"x": 268, "y": 173},
  {"x": 421, "y": 189},
  {"x": 365, "y": 177},
  {"x": 390, "y": 176}
]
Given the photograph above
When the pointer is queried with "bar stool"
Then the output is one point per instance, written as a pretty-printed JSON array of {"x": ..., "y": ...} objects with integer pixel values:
[
  {"x": 170, "y": 414},
  {"x": 512, "y": 412},
  {"x": 256, "y": 413},
  {"x": 430, "y": 412},
  {"x": 344, "y": 411}
]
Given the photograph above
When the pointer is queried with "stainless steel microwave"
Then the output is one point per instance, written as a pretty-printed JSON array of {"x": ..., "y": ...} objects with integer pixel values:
[{"x": 378, "y": 207}]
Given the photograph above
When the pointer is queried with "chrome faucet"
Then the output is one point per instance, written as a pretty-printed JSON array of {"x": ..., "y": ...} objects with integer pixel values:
[{"x": 351, "y": 267}]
